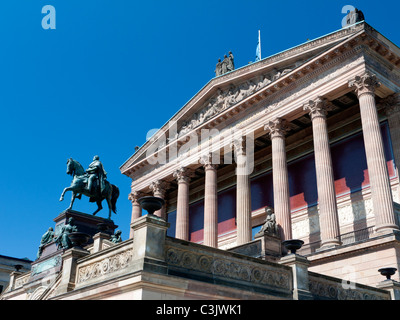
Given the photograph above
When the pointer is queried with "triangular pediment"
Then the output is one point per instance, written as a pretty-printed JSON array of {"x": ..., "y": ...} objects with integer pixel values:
[{"x": 224, "y": 92}]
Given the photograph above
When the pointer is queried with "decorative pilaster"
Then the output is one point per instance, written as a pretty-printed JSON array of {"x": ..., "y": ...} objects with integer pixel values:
[
  {"x": 329, "y": 220},
  {"x": 182, "y": 176},
  {"x": 243, "y": 193},
  {"x": 159, "y": 187},
  {"x": 210, "y": 202},
  {"x": 381, "y": 192},
  {"x": 277, "y": 130},
  {"x": 136, "y": 209},
  {"x": 392, "y": 109}
]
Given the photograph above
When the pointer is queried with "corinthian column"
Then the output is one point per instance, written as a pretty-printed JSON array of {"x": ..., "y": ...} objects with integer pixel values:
[
  {"x": 381, "y": 192},
  {"x": 159, "y": 187},
  {"x": 182, "y": 176},
  {"x": 136, "y": 209},
  {"x": 243, "y": 193},
  {"x": 277, "y": 130},
  {"x": 329, "y": 220},
  {"x": 210, "y": 202}
]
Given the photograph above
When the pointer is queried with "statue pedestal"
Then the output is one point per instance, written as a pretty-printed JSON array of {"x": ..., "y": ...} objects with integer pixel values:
[
  {"x": 86, "y": 223},
  {"x": 271, "y": 246},
  {"x": 50, "y": 260}
]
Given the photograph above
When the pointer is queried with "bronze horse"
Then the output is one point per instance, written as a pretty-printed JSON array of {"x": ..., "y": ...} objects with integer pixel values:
[{"x": 79, "y": 186}]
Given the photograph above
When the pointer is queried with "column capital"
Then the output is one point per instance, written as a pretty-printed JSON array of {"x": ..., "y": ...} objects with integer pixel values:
[
  {"x": 135, "y": 195},
  {"x": 159, "y": 187},
  {"x": 239, "y": 145},
  {"x": 277, "y": 128},
  {"x": 207, "y": 161},
  {"x": 318, "y": 107},
  {"x": 366, "y": 83},
  {"x": 183, "y": 174},
  {"x": 391, "y": 104}
]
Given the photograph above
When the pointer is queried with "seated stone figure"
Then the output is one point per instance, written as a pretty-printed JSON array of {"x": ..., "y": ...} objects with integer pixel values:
[
  {"x": 270, "y": 227},
  {"x": 116, "y": 238},
  {"x": 46, "y": 238},
  {"x": 62, "y": 240}
]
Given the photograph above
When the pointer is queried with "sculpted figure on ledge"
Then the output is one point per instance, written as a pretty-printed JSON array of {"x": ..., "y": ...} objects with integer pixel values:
[{"x": 270, "y": 227}]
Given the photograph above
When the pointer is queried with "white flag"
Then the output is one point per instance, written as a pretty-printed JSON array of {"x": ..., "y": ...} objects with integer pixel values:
[{"x": 258, "y": 50}]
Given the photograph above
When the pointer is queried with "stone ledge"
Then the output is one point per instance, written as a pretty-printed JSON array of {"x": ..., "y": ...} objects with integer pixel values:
[{"x": 378, "y": 240}]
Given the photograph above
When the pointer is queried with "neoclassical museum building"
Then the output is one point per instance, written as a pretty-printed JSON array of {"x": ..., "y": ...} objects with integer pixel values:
[{"x": 302, "y": 145}]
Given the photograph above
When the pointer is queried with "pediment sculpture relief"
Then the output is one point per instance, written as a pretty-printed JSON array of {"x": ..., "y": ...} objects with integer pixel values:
[{"x": 229, "y": 97}]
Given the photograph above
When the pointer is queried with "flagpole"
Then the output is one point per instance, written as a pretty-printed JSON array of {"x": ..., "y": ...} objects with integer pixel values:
[{"x": 259, "y": 40}]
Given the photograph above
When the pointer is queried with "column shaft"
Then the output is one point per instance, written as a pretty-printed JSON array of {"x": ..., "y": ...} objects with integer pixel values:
[
  {"x": 243, "y": 194},
  {"x": 182, "y": 210},
  {"x": 210, "y": 207},
  {"x": 136, "y": 209},
  {"x": 277, "y": 129},
  {"x": 377, "y": 168},
  {"x": 329, "y": 220}
]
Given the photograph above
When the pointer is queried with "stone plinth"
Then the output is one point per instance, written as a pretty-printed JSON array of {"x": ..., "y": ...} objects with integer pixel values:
[
  {"x": 50, "y": 260},
  {"x": 86, "y": 223},
  {"x": 299, "y": 265},
  {"x": 149, "y": 243},
  {"x": 392, "y": 286},
  {"x": 271, "y": 246}
]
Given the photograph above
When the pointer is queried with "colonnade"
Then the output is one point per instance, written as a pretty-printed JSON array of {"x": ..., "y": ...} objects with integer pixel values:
[{"x": 364, "y": 86}]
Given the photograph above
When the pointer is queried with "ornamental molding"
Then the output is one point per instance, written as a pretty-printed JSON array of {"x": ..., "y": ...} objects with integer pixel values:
[
  {"x": 366, "y": 83},
  {"x": 339, "y": 290},
  {"x": 183, "y": 175},
  {"x": 104, "y": 267},
  {"x": 277, "y": 128},
  {"x": 222, "y": 266},
  {"x": 317, "y": 108}
]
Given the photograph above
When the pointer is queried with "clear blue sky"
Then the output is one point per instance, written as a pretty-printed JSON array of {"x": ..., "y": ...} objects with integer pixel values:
[{"x": 113, "y": 70}]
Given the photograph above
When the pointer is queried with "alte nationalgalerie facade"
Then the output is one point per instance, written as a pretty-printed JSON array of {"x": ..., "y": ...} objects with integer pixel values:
[{"x": 319, "y": 125}]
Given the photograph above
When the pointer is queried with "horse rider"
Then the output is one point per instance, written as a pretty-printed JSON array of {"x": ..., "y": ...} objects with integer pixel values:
[{"x": 94, "y": 171}]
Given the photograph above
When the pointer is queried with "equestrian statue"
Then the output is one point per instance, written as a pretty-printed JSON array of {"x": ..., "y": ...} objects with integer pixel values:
[{"x": 91, "y": 183}]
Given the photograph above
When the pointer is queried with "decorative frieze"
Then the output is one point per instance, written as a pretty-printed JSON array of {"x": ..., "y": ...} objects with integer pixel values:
[
  {"x": 325, "y": 288},
  {"x": 221, "y": 266},
  {"x": 104, "y": 267}
]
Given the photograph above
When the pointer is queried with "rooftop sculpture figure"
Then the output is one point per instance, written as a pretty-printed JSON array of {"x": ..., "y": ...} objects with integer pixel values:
[
  {"x": 225, "y": 66},
  {"x": 354, "y": 17}
]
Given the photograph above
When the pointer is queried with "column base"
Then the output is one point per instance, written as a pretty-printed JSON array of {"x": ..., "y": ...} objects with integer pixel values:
[
  {"x": 329, "y": 244},
  {"x": 386, "y": 228}
]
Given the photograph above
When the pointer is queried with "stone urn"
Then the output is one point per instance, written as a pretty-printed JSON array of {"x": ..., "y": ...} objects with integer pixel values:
[
  {"x": 151, "y": 204},
  {"x": 293, "y": 245},
  {"x": 78, "y": 239},
  {"x": 387, "y": 272}
]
